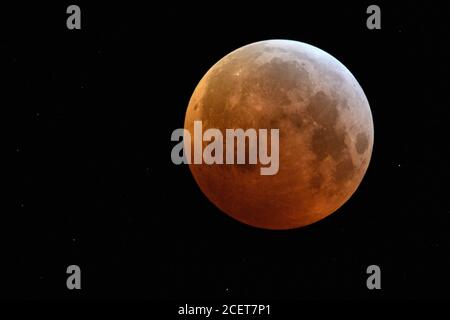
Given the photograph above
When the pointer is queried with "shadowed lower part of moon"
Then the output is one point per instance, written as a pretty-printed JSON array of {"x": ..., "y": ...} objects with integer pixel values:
[{"x": 325, "y": 126}]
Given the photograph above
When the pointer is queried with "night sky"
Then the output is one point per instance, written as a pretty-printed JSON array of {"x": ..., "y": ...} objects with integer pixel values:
[{"x": 88, "y": 116}]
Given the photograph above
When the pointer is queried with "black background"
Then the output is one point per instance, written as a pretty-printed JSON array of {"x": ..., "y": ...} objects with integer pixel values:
[{"x": 88, "y": 116}]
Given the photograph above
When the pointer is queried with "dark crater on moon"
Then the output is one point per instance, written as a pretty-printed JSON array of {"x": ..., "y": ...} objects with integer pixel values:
[
  {"x": 362, "y": 143},
  {"x": 327, "y": 139}
]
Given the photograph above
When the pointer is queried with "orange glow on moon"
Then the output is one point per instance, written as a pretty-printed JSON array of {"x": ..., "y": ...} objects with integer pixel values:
[{"x": 325, "y": 126}]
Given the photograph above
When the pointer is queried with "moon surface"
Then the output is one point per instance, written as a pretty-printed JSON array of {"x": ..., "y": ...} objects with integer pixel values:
[{"x": 325, "y": 129}]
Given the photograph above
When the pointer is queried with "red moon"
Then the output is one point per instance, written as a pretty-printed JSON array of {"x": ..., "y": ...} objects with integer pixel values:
[{"x": 325, "y": 132}]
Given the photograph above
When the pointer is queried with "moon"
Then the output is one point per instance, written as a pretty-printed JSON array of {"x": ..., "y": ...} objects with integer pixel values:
[{"x": 325, "y": 132}]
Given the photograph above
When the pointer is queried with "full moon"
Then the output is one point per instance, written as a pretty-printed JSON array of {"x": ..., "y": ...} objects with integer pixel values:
[{"x": 325, "y": 132}]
